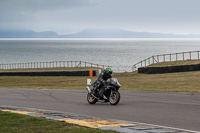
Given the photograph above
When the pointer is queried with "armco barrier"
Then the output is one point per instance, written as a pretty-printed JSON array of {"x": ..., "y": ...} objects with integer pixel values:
[
  {"x": 169, "y": 69},
  {"x": 52, "y": 73}
]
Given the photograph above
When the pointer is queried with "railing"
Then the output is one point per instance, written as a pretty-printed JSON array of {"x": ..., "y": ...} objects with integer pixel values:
[
  {"x": 53, "y": 64},
  {"x": 192, "y": 55}
]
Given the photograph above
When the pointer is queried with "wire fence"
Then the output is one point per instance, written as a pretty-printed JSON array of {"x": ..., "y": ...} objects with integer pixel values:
[
  {"x": 191, "y": 55},
  {"x": 121, "y": 69},
  {"x": 53, "y": 64},
  {"x": 57, "y": 64}
]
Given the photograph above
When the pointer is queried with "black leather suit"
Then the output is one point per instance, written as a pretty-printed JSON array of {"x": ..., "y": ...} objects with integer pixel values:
[{"x": 103, "y": 77}]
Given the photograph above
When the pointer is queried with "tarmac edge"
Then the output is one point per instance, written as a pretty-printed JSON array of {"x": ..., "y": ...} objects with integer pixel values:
[{"x": 94, "y": 122}]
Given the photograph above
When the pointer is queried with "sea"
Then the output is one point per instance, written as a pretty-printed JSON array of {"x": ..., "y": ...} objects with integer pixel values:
[{"x": 119, "y": 53}]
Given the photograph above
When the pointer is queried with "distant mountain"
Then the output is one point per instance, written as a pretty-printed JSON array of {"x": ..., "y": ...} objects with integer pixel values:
[
  {"x": 118, "y": 33},
  {"x": 27, "y": 34},
  {"x": 90, "y": 33}
]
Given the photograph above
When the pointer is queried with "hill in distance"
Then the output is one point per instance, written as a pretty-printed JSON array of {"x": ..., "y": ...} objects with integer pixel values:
[
  {"x": 27, "y": 34},
  {"x": 90, "y": 33}
]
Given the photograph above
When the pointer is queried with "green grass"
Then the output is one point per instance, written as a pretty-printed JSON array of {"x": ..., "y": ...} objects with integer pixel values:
[
  {"x": 40, "y": 82},
  {"x": 17, "y": 123},
  {"x": 175, "y": 63},
  {"x": 171, "y": 82}
]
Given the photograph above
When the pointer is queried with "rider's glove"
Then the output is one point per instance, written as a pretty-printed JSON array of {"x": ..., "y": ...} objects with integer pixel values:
[{"x": 104, "y": 82}]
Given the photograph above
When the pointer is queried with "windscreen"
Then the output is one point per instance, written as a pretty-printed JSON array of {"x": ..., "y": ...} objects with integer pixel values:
[{"x": 115, "y": 82}]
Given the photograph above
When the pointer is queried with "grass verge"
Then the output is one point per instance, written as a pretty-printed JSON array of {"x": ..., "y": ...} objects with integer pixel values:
[
  {"x": 171, "y": 82},
  {"x": 17, "y": 123},
  {"x": 175, "y": 63}
]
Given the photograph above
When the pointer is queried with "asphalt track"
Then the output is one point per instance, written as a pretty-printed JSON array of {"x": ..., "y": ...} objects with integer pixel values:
[{"x": 178, "y": 110}]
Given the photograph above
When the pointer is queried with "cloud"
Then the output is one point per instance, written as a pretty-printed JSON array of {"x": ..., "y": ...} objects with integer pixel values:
[
  {"x": 24, "y": 7},
  {"x": 27, "y": 13},
  {"x": 137, "y": 15}
]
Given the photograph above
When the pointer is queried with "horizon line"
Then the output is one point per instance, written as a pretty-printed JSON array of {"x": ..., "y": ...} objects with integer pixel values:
[{"x": 100, "y": 38}]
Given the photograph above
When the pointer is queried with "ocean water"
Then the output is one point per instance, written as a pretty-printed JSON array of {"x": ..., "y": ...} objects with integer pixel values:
[{"x": 120, "y": 53}]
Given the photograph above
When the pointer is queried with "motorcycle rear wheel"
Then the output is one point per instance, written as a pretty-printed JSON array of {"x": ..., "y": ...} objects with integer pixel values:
[
  {"x": 91, "y": 99},
  {"x": 115, "y": 98}
]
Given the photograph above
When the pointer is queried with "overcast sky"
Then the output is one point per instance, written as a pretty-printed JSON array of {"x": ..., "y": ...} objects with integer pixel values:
[{"x": 69, "y": 16}]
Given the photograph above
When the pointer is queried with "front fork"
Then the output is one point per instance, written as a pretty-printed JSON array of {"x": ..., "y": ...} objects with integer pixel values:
[
  {"x": 111, "y": 93},
  {"x": 88, "y": 89},
  {"x": 114, "y": 90}
]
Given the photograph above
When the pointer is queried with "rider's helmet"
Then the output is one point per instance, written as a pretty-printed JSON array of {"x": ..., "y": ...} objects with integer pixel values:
[{"x": 109, "y": 70}]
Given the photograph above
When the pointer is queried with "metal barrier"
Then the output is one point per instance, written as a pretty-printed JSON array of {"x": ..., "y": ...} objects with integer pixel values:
[
  {"x": 52, "y": 73},
  {"x": 191, "y": 55}
]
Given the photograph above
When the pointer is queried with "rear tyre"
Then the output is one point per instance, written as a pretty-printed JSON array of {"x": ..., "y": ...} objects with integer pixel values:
[
  {"x": 115, "y": 98},
  {"x": 91, "y": 99}
]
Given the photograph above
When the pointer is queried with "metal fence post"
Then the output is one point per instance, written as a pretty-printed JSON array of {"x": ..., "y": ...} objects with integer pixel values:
[{"x": 153, "y": 59}]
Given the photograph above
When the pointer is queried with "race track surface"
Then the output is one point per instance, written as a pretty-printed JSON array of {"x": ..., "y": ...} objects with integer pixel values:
[{"x": 178, "y": 110}]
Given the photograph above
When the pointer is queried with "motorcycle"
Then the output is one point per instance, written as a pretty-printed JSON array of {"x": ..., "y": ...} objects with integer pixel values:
[{"x": 108, "y": 93}]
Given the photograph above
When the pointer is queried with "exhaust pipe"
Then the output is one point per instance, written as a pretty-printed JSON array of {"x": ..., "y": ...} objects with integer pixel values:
[
  {"x": 94, "y": 97},
  {"x": 89, "y": 91}
]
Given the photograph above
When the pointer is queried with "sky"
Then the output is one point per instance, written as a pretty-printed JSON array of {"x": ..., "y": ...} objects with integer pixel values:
[{"x": 71, "y": 16}]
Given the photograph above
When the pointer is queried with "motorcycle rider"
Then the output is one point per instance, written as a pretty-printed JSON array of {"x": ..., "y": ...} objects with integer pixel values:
[{"x": 103, "y": 77}]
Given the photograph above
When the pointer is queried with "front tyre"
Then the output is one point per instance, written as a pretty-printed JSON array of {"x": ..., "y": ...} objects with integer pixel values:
[
  {"x": 114, "y": 98},
  {"x": 91, "y": 99}
]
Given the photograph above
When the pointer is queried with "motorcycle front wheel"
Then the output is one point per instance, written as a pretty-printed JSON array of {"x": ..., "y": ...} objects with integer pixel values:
[
  {"x": 91, "y": 99},
  {"x": 114, "y": 98}
]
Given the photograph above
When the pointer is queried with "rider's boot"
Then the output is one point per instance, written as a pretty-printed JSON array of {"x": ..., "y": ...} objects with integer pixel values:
[{"x": 104, "y": 97}]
